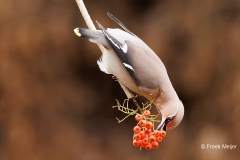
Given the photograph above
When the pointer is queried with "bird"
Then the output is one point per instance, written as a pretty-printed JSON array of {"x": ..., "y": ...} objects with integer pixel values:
[{"x": 138, "y": 68}]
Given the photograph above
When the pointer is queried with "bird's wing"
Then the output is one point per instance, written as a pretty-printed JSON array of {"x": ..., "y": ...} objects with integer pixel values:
[
  {"x": 120, "y": 23},
  {"x": 134, "y": 60},
  {"x": 142, "y": 65}
]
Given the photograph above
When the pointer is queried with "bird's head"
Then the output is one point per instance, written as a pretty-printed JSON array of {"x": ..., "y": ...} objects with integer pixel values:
[{"x": 172, "y": 115}]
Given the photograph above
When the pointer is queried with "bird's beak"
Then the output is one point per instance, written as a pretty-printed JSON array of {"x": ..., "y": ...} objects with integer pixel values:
[{"x": 162, "y": 126}]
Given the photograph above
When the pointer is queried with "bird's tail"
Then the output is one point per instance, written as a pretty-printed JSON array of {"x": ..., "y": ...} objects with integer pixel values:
[
  {"x": 95, "y": 36},
  {"x": 88, "y": 33}
]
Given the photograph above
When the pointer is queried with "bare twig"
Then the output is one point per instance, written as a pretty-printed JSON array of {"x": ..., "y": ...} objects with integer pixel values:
[
  {"x": 91, "y": 26},
  {"x": 135, "y": 102}
]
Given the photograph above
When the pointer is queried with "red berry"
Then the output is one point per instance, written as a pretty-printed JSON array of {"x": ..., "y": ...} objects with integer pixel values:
[
  {"x": 141, "y": 145},
  {"x": 146, "y": 113},
  {"x": 148, "y": 131},
  {"x": 135, "y": 143},
  {"x": 142, "y": 123},
  {"x": 148, "y": 146},
  {"x": 136, "y": 129},
  {"x": 154, "y": 145},
  {"x": 149, "y": 125},
  {"x": 152, "y": 133},
  {"x": 138, "y": 117},
  {"x": 137, "y": 137},
  {"x": 152, "y": 138},
  {"x": 145, "y": 141},
  {"x": 158, "y": 139},
  {"x": 157, "y": 133},
  {"x": 163, "y": 133},
  {"x": 142, "y": 134}
]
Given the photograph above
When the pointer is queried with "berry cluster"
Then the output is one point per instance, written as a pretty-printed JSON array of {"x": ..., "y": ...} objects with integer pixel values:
[{"x": 144, "y": 135}]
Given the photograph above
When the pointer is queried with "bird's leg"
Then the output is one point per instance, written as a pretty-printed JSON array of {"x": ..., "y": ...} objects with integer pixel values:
[{"x": 133, "y": 98}]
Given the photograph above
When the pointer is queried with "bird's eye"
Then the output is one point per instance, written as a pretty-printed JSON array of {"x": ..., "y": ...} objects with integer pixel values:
[{"x": 169, "y": 119}]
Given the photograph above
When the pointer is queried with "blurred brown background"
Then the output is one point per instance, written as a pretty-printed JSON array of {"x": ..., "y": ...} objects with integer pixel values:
[{"x": 55, "y": 103}]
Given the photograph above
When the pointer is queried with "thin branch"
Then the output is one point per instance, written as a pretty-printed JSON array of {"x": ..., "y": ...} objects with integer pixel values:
[
  {"x": 91, "y": 26},
  {"x": 135, "y": 102},
  {"x": 88, "y": 19}
]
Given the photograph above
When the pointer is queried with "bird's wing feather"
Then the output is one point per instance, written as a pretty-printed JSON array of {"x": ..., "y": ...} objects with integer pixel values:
[
  {"x": 120, "y": 23},
  {"x": 121, "y": 50},
  {"x": 143, "y": 70},
  {"x": 130, "y": 56}
]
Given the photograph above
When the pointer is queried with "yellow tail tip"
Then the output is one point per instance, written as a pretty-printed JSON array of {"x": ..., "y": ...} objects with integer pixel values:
[{"x": 76, "y": 31}]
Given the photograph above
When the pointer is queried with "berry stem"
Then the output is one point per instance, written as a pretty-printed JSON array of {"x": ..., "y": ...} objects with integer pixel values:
[{"x": 135, "y": 102}]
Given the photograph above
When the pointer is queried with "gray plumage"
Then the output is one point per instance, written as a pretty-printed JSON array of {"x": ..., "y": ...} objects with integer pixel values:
[{"x": 138, "y": 68}]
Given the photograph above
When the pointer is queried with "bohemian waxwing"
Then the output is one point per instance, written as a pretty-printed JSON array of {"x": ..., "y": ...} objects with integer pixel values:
[{"x": 138, "y": 68}]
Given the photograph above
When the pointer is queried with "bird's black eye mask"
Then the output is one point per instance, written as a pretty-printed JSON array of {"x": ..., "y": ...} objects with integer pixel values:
[
  {"x": 164, "y": 125},
  {"x": 169, "y": 119}
]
